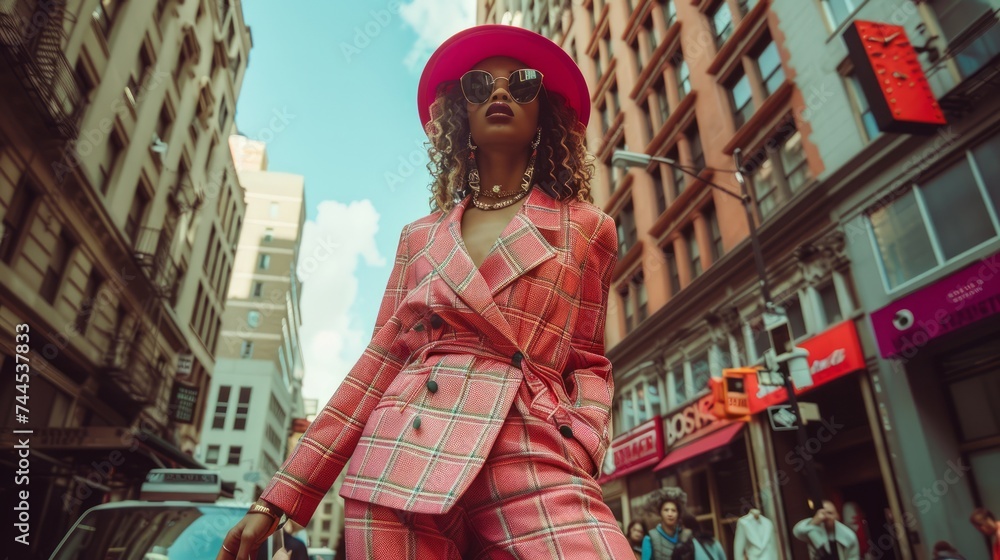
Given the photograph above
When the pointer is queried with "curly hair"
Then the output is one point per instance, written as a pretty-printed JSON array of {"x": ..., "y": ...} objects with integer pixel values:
[{"x": 563, "y": 169}]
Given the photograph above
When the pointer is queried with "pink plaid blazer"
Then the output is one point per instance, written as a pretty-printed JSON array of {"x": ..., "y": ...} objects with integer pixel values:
[{"x": 419, "y": 412}]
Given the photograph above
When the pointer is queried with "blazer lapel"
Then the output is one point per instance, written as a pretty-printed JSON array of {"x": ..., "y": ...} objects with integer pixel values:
[
  {"x": 454, "y": 266},
  {"x": 521, "y": 247}
]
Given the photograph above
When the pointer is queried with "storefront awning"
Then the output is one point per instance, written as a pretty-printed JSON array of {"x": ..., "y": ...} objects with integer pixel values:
[{"x": 702, "y": 445}]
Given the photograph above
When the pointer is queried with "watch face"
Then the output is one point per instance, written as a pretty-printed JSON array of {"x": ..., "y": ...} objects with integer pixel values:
[{"x": 892, "y": 78}]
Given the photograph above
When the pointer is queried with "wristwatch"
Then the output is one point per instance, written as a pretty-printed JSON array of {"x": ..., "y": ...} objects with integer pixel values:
[{"x": 278, "y": 517}]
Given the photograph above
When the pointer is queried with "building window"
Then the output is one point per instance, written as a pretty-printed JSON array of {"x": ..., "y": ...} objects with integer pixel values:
[
  {"x": 264, "y": 262},
  {"x": 627, "y": 234},
  {"x": 677, "y": 385},
  {"x": 669, "y": 12},
  {"x": 683, "y": 74},
  {"x": 104, "y": 15},
  {"x": 769, "y": 65},
  {"x": 234, "y": 454},
  {"x": 86, "y": 311},
  {"x": 673, "y": 275},
  {"x": 258, "y": 289},
  {"x": 700, "y": 372},
  {"x": 634, "y": 298},
  {"x": 136, "y": 213},
  {"x": 628, "y": 410},
  {"x": 253, "y": 319},
  {"x": 647, "y": 121},
  {"x": 16, "y": 219},
  {"x": 650, "y": 400},
  {"x": 212, "y": 455},
  {"x": 221, "y": 407},
  {"x": 246, "y": 350},
  {"x": 112, "y": 155},
  {"x": 694, "y": 252},
  {"x": 242, "y": 409},
  {"x": 268, "y": 235},
  {"x": 662, "y": 103},
  {"x": 658, "y": 193},
  {"x": 678, "y": 179},
  {"x": 273, "y": 210},
  {"x": 864, "y": 111},
  {"x": 740, "y": 97},
  {"x": 918, "y": 231},
  {"x": 777, "y": 172},
  {"x": 796, "y": 320},
  {"x": 721, "y": 20},
  {"x": 836, "y": 11},
  {"x": 695, "y": 148},
  {"x": 713, "y": 228},
  {"x": 829, "y": 305},
  {"x": 58, "y": 259}
]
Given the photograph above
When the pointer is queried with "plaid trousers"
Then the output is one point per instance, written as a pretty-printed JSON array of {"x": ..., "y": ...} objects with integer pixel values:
[{"x": 533, "y": 499}]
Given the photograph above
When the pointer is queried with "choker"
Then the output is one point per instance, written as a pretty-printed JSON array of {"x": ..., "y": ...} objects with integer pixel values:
[{"x": 497, "y": 191}]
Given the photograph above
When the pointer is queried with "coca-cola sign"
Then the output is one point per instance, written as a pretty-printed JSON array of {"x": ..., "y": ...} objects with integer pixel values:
[{"x": 832, "y": 354}]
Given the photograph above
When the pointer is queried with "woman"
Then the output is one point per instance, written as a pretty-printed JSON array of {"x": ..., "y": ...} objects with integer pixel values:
[
  {"x": 636, "y": 533},
  {"x": 668, "y": 535},
  {"x": 703, "y": 543},
  {"x": 477, "y": 418}
]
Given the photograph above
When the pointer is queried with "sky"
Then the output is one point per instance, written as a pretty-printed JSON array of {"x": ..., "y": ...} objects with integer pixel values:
[{"x": 331, "y": 87}]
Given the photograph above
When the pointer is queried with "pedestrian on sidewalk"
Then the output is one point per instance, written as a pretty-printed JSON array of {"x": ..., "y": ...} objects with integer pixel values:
[
  {"x": 476, "y": 421},
  {"x": 703, "y": 541},
  {"x": 827, "y": 537},
  {"x": 662, "y": 541},
  {"x": 984, "y": 520},
  {"x": 636, "y": 533}
]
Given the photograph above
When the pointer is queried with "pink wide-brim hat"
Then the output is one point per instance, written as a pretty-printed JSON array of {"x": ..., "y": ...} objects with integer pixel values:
[{"x": 465, "y": 49}]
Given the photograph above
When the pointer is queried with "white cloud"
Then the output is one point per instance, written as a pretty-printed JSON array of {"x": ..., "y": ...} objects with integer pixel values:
[
  {"x": 332, "y": 246},
  {"x": 434, "y": 21}
]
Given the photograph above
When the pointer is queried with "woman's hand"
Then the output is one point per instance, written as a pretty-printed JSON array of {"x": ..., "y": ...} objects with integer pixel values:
[{"x": 243, "y": 540}]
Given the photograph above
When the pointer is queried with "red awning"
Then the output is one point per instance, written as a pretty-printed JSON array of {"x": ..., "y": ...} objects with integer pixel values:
[{"x": 701, "y": 445}]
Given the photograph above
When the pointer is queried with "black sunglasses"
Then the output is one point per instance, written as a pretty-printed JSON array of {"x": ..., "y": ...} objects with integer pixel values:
[{"x": 523, "y": 85}]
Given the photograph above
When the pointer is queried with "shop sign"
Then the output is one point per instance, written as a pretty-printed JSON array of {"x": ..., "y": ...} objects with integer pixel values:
[
  {"x": 970, "y": 295},
  {"x": 692, "y": 421},
  {"x": 183, "y": 402},
  {"x": 640, "y": 447},
  {"x": 833, "y": 353}
]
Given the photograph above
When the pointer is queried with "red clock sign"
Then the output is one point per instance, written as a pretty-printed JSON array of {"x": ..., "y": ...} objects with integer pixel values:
[{"x": 892, "y": 78}]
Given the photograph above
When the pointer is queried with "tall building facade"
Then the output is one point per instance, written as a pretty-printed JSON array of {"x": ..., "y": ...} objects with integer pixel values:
[
  {"x": 256, "y": 390},
  {"x": 120, "y": 210},
  {"x": 852, "y": 239}
]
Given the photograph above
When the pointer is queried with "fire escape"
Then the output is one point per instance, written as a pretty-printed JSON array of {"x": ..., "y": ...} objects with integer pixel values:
[
  {"x": 31, "y": 43},
  {"x": 135, "y": 375}
]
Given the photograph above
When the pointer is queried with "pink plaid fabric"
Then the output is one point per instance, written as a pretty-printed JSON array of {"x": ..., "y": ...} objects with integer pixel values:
[
  {"x": 421, "y": 411},
  {"x": 532, "y": 499}
]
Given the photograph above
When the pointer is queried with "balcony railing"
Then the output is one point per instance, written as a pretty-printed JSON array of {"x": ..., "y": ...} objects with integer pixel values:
[
  {"x": 31, "y": 39},
  {"x": 130, "y": 379},
  {"x": 152, "y": 252}
]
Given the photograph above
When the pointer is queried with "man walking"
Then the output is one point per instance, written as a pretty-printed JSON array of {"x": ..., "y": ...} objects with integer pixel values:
[{"x": 827, "y": 537}]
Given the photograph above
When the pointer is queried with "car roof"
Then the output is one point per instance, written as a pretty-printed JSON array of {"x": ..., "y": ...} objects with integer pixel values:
[{"x": 169, "y": 503}]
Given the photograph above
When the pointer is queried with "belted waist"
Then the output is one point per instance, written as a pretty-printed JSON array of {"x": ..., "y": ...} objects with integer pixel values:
[{"x": 544, "y": 385}]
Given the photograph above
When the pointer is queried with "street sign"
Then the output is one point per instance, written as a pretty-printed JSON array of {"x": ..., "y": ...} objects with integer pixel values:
[{"x": 782, "y": 418}]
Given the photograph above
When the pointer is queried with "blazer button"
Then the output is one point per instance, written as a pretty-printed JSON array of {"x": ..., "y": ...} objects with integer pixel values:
[
  {"x": 419, "y": 327},
  {"x": 432, "y": 386},
  {"x": 436, "y": 321},
  {"x": 566, "y": 431},
  {"x": 515, "y": 360},
  {"x": 416, "y": 423}
]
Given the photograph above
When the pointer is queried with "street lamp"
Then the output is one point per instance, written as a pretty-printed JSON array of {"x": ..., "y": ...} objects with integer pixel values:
[{"x": 795, "y": 359}]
